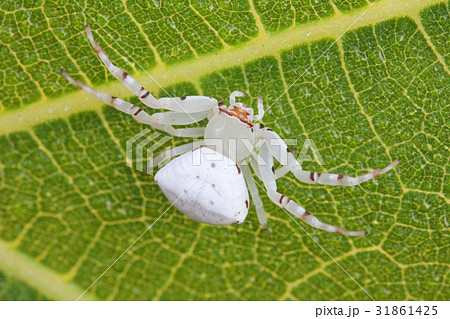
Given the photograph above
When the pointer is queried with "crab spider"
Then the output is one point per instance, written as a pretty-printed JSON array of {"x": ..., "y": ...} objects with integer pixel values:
[{"x": 214, "y": 191}]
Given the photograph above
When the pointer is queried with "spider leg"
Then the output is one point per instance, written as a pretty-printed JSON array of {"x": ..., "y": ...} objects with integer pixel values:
[
  {"x": 310, "y": 177},
  {"x": 175, "y": 151},
  {"x": 313, "y": 177},
  {"x": 189, "y": 104},
  {"x": 278, "y": 149},
  {"x": 268, "y": 178},
  {"x": 260, "y": 114},
  {"x": 255, "y": 167},
  {"x": 233, "y": 96},
  {"x": 177, "y": 118},
  {"x": 281, "y": 172},
  {"x": 155, "y": 120},
  {"x": 255, "y": 196}
]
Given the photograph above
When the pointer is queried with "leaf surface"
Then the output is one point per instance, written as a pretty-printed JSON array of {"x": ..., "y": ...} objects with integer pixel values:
[{"x": 69, "y": 206}]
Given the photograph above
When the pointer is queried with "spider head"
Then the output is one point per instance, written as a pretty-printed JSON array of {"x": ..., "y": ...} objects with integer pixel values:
[
  {"x": 243, "y": 114},
  {"x": 231, "y": 129},
  {"x": 241, "y": 111}
]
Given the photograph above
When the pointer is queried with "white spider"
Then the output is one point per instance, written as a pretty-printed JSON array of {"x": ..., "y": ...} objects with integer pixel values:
[{"x": 220, "y": 197}]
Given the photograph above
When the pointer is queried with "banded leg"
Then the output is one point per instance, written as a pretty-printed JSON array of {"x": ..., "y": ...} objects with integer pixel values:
[
  {"x": 190, "y": 104},
  {"x": 313, "y": 177},
  {"x": 268, "y": 178},
  {"x": 155, "y": 121},
  {"x": 338, "y": 179},
  {"x": 255, "y": 196}
]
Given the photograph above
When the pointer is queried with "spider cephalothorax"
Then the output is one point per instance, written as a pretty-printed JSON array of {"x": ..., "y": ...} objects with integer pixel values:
[
  {"x": 213, "y": 190},
  {"x": 239, "y": 113}
]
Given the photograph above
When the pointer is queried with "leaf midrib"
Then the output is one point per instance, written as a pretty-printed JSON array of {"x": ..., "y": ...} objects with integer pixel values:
[{"x": 263, "y": 45}]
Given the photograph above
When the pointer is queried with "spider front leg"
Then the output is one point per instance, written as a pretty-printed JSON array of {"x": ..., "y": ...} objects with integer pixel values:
[
  {"x": 267, "y": 174},
  {"x": 184, "y": 104},
  {"x": 310, "y": 177},
  {"x": 160, "y": 121},
  {"x": 260, "y": 114}
]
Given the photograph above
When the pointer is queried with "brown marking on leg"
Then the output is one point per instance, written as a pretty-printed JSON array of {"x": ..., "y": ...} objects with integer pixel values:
[
  {"x": 137, "y": 112},
  {"x": 311, "y": 176},
  {"x": 340, "y": 177},
  {"x": 273, "y": 169},
  {"x": 305, "y": 214},
  {"x": 261, "y": 125},
  {"x": 246, "y": 203},
  {"x": 220, "y": 104},
  {"x": 339, "y": 230},
  {"x": 238, "y": 168},
  {"x": 282, "y": 199},
  {"x": 376, "y": 172},
  {"x": 182, "y": 98},
  {"x": 147, "y": 93},
  {"x": 288, "y": 150},
  {"x": 124, "y": 75}
]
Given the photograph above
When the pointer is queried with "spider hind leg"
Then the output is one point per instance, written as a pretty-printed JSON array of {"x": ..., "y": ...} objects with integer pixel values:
[
  {"x": 267, "y": 175},
  {"x": 310, "y": 177}
]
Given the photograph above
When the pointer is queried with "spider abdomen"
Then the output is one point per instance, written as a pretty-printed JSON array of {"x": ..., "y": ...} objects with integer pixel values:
[{"x": 206, "y": 186}]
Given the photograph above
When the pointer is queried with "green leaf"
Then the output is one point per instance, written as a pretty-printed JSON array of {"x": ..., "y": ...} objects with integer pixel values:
[{"x": 69, "y": 206}]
